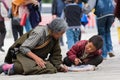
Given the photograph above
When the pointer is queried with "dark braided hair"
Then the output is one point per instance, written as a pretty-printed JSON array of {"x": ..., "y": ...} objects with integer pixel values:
[{"x": 117, "y": 9}]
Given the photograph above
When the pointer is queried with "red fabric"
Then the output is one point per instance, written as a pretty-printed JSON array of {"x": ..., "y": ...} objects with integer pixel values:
[
  {"x": 78, "y": 49},
  {"x": 23, "y": 19}
]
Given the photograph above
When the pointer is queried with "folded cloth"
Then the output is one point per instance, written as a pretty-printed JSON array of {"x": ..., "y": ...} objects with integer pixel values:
[{"x": 81, "y": 68}]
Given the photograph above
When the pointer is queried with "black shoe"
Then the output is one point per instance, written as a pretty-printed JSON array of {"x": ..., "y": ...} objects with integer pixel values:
[
  {"x": 2, "y": 50},
  {"x": 111, "y": 54}
]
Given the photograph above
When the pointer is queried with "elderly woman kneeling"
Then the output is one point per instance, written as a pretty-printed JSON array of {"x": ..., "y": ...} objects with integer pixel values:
[{"x": 33, "y": 52}]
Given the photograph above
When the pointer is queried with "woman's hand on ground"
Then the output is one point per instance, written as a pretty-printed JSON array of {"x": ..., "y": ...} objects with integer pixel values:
[{"x": 63, "y": 68}]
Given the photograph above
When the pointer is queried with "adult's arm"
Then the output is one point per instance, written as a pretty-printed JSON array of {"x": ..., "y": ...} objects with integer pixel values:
[
  {"x": 32, "y": 41},
  {"x": 35, "y": 37},
  {"x": 89, "y": 6}
]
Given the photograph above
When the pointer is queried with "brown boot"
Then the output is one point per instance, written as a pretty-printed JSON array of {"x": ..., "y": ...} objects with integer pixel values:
[{"x": 111, "y": 54}]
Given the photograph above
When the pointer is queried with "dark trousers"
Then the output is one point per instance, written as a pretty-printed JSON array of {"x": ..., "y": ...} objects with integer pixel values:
[
  {"x": 94, "y": 61},
  {"x": 17, "y": 30},
  {"x": 103, "y": 27},
  {"x": 2, "y": 33}
]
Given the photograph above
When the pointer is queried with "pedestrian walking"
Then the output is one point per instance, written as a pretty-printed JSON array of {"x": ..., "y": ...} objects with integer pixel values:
[
  {"x": 2, "y": 26},
  {"x": 57, "y": 9},
  {"x": 72, "y": 14}
]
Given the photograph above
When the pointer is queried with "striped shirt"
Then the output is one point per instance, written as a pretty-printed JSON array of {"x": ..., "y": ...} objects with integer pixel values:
[{"x": 37, "y": 37}]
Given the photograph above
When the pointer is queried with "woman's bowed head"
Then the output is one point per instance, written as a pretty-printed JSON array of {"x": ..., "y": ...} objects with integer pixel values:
[{"x": 57, "y": 27}]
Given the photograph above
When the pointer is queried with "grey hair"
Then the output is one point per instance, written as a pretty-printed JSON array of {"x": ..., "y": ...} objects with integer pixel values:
[{"x": 58, "y": 25}]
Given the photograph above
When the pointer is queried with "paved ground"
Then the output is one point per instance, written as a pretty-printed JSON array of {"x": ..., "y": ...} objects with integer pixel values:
[{"x": 108, "y": 70}]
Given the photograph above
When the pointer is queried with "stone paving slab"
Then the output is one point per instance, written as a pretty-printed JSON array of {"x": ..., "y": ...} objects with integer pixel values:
[{"x": 108, "y": 70}]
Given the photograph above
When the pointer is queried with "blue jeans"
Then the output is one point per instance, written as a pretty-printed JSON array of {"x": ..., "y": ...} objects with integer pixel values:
[
  {"x": 73, "y": 35},
  {"x": 104, "y": 25},
  {"x": 28, "y": 25}
]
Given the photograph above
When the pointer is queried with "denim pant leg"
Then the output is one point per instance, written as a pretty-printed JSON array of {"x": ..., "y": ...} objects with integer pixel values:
[
  {"x": 101, "y": 24},
  {"x": 28, "y": 25},
  {"x": 70, "y": 38},
  {"x": 77, "y": 34},
  {"x": 108, "y": 40},
  {"x": 110, "y": 20}
]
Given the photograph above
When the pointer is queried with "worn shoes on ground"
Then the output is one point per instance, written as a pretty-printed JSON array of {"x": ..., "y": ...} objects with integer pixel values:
[{"x": 111, "y": 54}]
